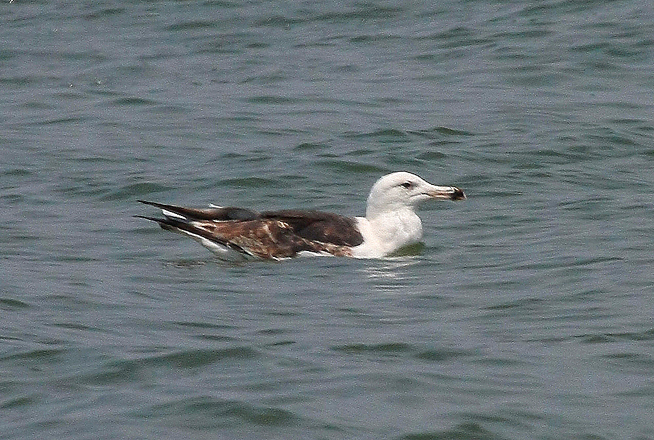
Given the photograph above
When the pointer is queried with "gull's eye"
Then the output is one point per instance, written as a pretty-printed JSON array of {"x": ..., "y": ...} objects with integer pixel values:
[{"x": 407, "y": 185}]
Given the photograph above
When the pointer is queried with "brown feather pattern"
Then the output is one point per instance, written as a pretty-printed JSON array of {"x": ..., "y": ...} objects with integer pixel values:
[{"x": 271, "y": 234}]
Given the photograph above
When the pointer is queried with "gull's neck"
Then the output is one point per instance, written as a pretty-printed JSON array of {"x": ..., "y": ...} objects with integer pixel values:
[{"x": 388, "y": 231}]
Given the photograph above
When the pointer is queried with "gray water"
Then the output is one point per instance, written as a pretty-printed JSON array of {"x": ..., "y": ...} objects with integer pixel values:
[{"x": 527, "y": 314}]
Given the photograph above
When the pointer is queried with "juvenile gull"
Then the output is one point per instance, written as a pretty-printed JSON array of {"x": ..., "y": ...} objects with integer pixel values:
[{"x": 390, "y": 224}]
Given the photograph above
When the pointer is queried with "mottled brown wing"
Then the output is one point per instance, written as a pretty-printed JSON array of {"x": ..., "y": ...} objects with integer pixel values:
[
  {"x": 319, "y": 226},
  {"x": 273, "y": 234},
  {"x": 267, "y": 238}
]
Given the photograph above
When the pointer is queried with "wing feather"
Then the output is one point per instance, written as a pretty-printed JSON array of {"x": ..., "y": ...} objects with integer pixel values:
[
  {"x": 271, "y": 234},
  {"x": 320, "y": 226}
]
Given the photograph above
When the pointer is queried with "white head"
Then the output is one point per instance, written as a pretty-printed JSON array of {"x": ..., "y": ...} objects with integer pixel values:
[{"x": 402, "y": 190}]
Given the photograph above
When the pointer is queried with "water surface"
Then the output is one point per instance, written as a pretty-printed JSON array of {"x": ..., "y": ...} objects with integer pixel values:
[{"x": 527, "y": 313}]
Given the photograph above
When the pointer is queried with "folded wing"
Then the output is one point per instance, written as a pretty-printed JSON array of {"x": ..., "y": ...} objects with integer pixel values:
[{"x": 270, "y": 234}]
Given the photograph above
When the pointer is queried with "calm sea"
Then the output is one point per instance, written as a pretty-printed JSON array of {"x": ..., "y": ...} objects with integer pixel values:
[{"x": 528, "y": 313}]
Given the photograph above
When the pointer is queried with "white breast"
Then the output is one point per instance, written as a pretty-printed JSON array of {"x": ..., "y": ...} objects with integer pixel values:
[{"x": 387, "y": 233}]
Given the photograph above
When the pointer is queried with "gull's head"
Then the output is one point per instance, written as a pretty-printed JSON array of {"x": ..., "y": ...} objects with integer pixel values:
[{"x": 401, "y": 190}]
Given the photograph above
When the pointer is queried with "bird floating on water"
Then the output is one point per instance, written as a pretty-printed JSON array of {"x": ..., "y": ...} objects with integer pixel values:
[{"x": 236, "y": 234}]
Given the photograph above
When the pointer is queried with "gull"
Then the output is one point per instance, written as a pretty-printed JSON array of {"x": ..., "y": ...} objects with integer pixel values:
[{"x": 390, "y": 224}]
